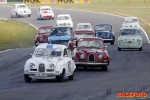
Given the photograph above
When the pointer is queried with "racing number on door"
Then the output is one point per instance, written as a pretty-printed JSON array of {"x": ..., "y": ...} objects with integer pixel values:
[{"x": 69, "y": 66}]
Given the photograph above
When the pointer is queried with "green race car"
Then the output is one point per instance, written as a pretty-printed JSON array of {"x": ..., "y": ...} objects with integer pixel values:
[{"x": 130, "y": 38}]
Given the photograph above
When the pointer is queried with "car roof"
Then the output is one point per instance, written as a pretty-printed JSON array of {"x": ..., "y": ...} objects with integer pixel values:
[
  {"x": 130, "y": 28},
  {"x": 45, "y": 7},
  {"x": 20, "y": 4},
  {"x": 46, "y": 26},
  {"x": 91, "y": 38},
  {"x": 103, "y": 24},
  {"x": 63, "y": 15},
  {"x": 51, "y": 46},
  {"x": 83, "y": 30},
  {"x": 61, "y": 27},
  {"x": 83, "y": 24}
]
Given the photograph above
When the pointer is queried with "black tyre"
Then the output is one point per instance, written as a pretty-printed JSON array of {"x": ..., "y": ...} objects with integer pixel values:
[
  {"x": 17, "y": 15},
  {"x": 112, "y": 43},
  {"x": 53, "y": 18},
  {"x": 104, "y": 68},
  {"x": 61, "y": 77},
  {"x": 27, "y": 78},
  {"x": 71, "y": 77},
  {"x": 140, "y": 49},
  {"x": 29, "y": 15},
  {"x": 11, "y": 15},
  {"x": 35, "y": 44},
  {"x": 119, "y": 49}
]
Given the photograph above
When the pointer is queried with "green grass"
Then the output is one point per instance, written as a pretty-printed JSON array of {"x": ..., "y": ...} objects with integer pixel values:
[
  {"x": 137, "y": 8},
  {"x": 16, "y": 34}
]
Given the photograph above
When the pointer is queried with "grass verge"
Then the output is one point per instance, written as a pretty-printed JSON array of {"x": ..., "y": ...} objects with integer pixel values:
[{"x": 16, "y": 34}]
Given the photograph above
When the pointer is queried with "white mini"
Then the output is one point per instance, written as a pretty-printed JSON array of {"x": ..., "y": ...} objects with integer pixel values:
[
  {"x": 130, "y": 22},
  {"x": 64, "y": 20},
  {"x": 20, "y": 10},
  {"x": 45, "y": 12},
  {"x": 50, "y": 61},
  {"x": 86, "y": 26}
]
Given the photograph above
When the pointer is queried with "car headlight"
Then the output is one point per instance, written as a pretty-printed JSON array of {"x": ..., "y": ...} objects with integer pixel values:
[
  {"x": 120, "y": 41},
  {"x": 100, "y": 56},
  {"x": 32, "y": 65},
  {"x": 52, "y": 66},
  {"x": 82, "y": 56},
  {"x": 138, "y": 40}
]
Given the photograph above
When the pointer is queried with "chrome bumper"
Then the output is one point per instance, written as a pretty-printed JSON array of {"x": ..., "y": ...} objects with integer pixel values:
[{"x": 90, "y": 63}]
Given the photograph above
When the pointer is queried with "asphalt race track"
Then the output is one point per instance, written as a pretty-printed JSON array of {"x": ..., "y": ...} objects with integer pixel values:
[{"x": 129, "y": 70}]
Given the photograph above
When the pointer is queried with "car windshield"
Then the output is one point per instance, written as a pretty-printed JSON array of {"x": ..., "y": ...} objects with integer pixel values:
[
  {"x": 81, "y": 35},
  {"x": 83, "y": 27},
  {"x": 61, "y": 31},
  {"x": 42, "y": 9},
  {"x": 90, "y": 44},
  {"x": 63, "y": 18},
  {"x": 103, "y": 28},
  {"x": 130, "y": 32},
  {"x": 130, "y": 20},
  {"x": 44, "y": 30},
  {"x": 21, "y": 6},
  {"x": 44, "y": 52}
]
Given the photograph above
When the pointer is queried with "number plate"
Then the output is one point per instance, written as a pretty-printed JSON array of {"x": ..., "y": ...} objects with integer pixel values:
[{"x": 39, "y": 74}]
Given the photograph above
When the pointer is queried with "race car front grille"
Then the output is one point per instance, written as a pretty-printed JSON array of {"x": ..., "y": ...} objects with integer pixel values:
[
  {"x": 63, "y": 42},
  {"x": 41, "y": 68},
  {"x": 91, "y": 57}
]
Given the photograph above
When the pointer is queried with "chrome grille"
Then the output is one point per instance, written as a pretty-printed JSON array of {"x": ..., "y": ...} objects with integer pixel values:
[
  {"x": 91, "y": 57},
  {"x": 41, "y": 68}
]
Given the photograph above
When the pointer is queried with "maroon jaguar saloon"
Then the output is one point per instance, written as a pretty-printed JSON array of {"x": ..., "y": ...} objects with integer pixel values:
[
  {"x": 79, "y": 34},
  {"x": 42, "y": 35},
  {"x": 91, "y": 52}
]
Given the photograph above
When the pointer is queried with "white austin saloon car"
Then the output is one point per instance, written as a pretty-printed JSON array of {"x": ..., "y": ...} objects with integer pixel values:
[
  {"x": 45, "y": 12},
  {"x": 130, "y": 22},
  {"x": 20, "y": 10},
  {"x": 50, "y": 61},
  {"x": 64, "y": 20}
]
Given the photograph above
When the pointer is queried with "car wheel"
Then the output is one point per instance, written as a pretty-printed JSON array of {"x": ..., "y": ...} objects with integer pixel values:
[
  {"x": 71, "y": 77},
  {"x": 29, "y": 15},
  {"x": 11, "y": 15},
  {"x": 104, "y": 68},
  {"x": 112, "y": 43},
  {"x": 140, "y": 49},
  {"x": 61, "y": 77},
  {"x": 41, "y": 18},
  {"x": 17, "y": 15},
  {"x": 27, "y": 78},
  {"x": 119, "y": 49},
  {"x": 36, "y": 44},
  {"x": 53, "y": 18}
]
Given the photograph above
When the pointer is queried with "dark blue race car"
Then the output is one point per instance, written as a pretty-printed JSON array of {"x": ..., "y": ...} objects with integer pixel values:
[{"x": 105, "y": 32}]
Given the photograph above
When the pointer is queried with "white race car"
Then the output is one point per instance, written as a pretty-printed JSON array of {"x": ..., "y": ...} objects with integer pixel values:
[
  {"x": 45, "y": 12},
  {"x": 50, "y": 61},
  {"x": 20, "y": 10},
  {"x": 64, "y": 20},
  {"x": 84, "y": 26},
  {"x": 130, "y": 22}
]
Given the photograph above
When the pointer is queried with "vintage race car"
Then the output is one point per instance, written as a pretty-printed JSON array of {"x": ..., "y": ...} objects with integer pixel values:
[
  {"x": 60, "y": 35},
  {"x": 84, "y": 26},
  {"x": 45, "y": 12},
  {"x": 91, "y": 51},
  {"x": 130, "y": 38},
  {"x": 20, "y": 10},
  {"x": 130, "y": 22},
  {"x": 64, "y": 20},
  {"x": 42, "y": 35},
  {"x": 79, "y": 34},
  {"x": 105, "y": 32},
  {"x": 49, "y": 61}
]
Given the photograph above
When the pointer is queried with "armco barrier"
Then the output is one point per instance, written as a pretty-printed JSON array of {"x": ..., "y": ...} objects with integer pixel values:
[{"x": 57, "y": 1}]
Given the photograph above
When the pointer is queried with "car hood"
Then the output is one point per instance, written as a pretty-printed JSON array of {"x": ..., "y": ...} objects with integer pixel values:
[
  {"x": 23, "y": 9},
  {"x": 45, "y": 60},
  {"x": 64, "y": 37}
]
